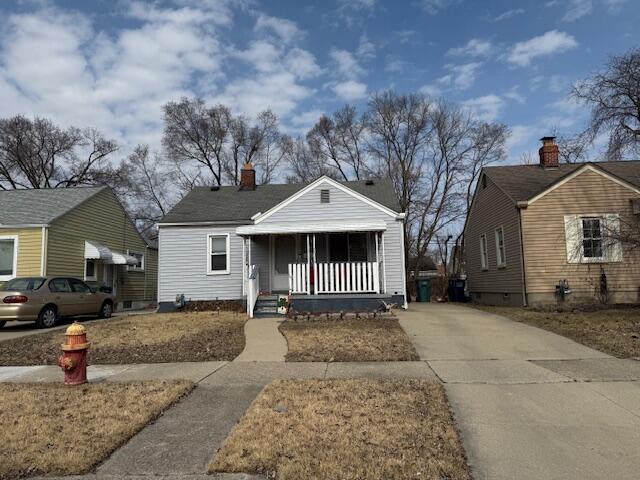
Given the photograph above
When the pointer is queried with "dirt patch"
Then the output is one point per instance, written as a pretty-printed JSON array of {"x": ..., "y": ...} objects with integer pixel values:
[
  {"x": 352, "y": 340},
  {"x": 615, "y": 331},
  {"x": 53, "y": 429},
  {"x": 346, "y": 429},
  {"x": 154, "y": 338},
  {"x": 214, "y": 306}
]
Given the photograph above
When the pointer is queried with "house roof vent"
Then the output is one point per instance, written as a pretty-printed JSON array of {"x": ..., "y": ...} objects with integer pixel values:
[
  {"x": 215, "y": 188},
  {"x": 369, "y": 182}
]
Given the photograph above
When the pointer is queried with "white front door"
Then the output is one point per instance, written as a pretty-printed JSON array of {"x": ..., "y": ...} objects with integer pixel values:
[
  {"x": 283, "y": 253},
  {"x": 110, "y": 277}
]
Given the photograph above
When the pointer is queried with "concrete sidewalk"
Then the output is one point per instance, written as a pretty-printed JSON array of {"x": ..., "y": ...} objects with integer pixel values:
[{"x": 530, "y": 404}]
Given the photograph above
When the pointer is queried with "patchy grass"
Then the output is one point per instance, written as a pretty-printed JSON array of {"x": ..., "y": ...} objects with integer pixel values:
[
  {"x": 615, "y": 331},
  {"x": 154, "y": 338},
  {"x": 350, "y": 340},
  {"x": 346, "y": 429},
  {"x": 53, "y": 429}
]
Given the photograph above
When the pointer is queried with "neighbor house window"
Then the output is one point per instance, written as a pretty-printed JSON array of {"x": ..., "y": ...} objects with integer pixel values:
[
  {"x": 139, "y": 266},
  {"x": 591, "y": 237},
  {"x": 218, "y": 254},
  {"x": 484, "y": 261},
  {"x": 8, "y": 257},
  {"x": 90, "y": 270},
  {"x": 501, "y": 256}
]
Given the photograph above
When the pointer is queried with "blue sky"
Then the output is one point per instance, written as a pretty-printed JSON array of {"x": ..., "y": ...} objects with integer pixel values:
[{"x": 113, "y": 64}]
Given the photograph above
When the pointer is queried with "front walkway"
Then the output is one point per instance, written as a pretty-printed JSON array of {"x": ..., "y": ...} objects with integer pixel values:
[
  {"x": 530, "y": 404},
  {"x": 264, "y": 342}
]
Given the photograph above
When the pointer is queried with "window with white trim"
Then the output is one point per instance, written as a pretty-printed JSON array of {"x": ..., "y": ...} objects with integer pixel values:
[
  {"x": 90, "y": 268},
  {"x": 8, "y": 257},
  {"x": 139, "y": 266},
  {"x": 218, "y": 250},
  {"x": 484, "y": 261},
  {"x": 501, "y": 254},
  {"x": 591, "y": 237}
]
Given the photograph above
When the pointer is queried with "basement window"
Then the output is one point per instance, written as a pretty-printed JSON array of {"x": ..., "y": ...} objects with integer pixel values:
[{"x": 324, "y": 196}]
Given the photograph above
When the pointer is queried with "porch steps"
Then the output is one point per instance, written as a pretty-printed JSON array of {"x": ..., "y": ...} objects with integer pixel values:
[{"x": 266, "y": 306}]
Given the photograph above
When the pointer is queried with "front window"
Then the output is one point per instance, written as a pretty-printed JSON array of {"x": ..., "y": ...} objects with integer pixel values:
[
  {"x": 591, "y": 238},
  {"x": 8, "y": 257},
  {"x": 218, "y": 254},
  {"x": 139, "y": 266},
  {"x": 90, "y": 270},
  {"x": 484, "y": 262},
  {"x": 501, "y": 256}
]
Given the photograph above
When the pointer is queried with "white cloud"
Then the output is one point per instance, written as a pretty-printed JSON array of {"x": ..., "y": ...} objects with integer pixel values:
[
  {"x": 461, "y": 76},
  {"x": 475, "y": 47},
  {"x": 432, "y": 7},
  {"x": 550, "y": 43},
  {"x": 509, "y": 14},
  {"x": 366, "y": 48},
  {"x": 358, "y": 4},
  {"x": 346, "y": 63},
  {"x": 285, "y": 29},
  {"x": 515, "y": 95},
  {"x": 350, "y": 90},
  {"x": 395, "y": 65},
  {"x": 577, "y": 9},
  {"x": 486, "y": 108},
  {"x": 307, "y": 119},
  {"x": 431, "y": 90},
  {"x": 302, "y": 63}
]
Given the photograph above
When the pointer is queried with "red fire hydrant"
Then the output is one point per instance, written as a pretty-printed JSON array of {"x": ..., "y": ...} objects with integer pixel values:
[{"x": 74, "y": 355}]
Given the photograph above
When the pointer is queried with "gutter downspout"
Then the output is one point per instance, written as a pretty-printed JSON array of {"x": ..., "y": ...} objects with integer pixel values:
[
  {"x": 522, "y": 262},
  {"x": 43, "y": 252}
]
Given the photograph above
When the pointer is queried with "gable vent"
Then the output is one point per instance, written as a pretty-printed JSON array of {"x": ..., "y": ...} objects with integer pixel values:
[{"x": 324, "y": 196}]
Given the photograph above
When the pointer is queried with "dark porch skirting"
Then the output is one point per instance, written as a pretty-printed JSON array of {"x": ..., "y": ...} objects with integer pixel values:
[{"x": 342, "y": 303}]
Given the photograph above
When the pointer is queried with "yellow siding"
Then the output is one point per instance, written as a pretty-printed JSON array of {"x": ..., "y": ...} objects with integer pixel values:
[
  {"x": 101, "y": 219},
  {"x": 545, "y": 246},
  {"x": 29, "y": 249},
  {"x": 491, "y": 209}
]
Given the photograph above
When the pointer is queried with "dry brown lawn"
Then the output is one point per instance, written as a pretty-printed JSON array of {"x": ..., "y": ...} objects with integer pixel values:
[
  {"x": 615, "y": 331},
  {"x": 346, "y": 429},
  {"x": 153, "y": 338},
  {"x": 53, "y": 429},
  {"x": 353, "y": 340}
]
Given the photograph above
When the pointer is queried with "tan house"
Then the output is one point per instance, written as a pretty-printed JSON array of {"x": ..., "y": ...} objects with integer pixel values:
[
  {"x": 79, "y": 232},
  {"x": 550, "y": 233}
]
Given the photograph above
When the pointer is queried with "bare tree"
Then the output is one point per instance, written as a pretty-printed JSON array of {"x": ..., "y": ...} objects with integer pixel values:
[
  {"x": 614, "y": 98},
  {"x": 303, "y": 163},
  {"x": 38, "y": 154},
  {"x": 573, "y": 148},
  {"x": 195, "y": 133}
]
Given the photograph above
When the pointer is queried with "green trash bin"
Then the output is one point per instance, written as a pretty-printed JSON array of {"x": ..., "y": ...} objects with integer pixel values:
[{"x": 423, "y": 290}]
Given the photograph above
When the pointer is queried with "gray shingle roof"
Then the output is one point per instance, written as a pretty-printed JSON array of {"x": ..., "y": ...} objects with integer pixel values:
[
  {"x": 522, "y": 182},
  {"x": 228, "y": 204},
  {"x": 41, "y": 206}
]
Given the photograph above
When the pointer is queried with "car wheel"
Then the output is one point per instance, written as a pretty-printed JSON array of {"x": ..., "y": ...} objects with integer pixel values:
[
  {"x": 3, "y": 323},
  {"x": 106, "y": 310},
  {"x": 48, "y": 317}
]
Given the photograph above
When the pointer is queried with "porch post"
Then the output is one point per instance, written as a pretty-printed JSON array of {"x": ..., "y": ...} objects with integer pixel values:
[
  {"x": 244, "y": 266},
  {"x": 377, "y": 276},
  {"x": 384, "y": 265},
  {"x": 308, "y": 266},
  {"x": 315, "y": 267}
]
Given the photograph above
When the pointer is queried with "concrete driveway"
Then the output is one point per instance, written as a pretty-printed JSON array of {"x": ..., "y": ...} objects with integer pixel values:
[{"x": 531, "y": 404}]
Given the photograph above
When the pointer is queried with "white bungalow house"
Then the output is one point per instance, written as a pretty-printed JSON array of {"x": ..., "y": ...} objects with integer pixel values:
[{"x": 327, "y": 245}]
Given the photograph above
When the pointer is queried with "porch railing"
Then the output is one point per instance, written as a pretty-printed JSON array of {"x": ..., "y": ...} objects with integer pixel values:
[
  {"x": 253, "y": 288},
  {"x": 334, "y": 277}
]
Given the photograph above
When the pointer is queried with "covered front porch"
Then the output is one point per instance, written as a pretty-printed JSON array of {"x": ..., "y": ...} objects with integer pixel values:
[{"x": 315, "y": 261}]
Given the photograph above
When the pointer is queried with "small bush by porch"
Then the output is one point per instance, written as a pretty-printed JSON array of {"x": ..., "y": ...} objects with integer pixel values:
[
  {"x": 153, "y": 338},
  {"x": 368, "y": 339}
]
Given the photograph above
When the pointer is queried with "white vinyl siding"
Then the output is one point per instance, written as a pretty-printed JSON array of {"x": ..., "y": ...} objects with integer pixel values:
[
  {"x": 484, "y": 261},
  {"x": 501, "y": 254},
  {"x": 218, "y": 259},
  {"x": 592, "y": 238}
]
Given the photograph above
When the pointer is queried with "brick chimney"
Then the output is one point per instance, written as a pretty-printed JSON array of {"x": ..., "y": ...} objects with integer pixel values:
[
  {"x": 247, "y": 177},
  {"x": 549, "y": 152}
]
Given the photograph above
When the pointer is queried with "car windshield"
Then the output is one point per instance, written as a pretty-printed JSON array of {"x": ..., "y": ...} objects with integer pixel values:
[{"x": 22, "y": 284}]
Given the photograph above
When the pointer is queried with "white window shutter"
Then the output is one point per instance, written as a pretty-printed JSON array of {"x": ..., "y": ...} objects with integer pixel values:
[
  {"x": 613, "y": 247},
  {"x": 572, "y": 238}
]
